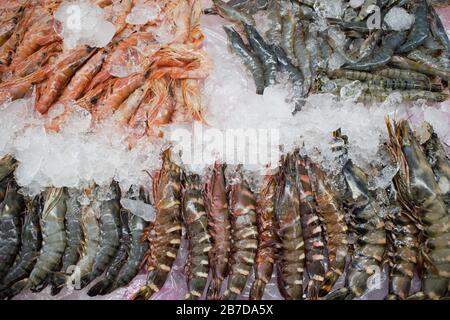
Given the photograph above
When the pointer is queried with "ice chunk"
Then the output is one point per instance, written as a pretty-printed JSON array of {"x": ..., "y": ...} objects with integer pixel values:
[
  {"x": 139, "y": 208},
  {"x": 399, "y": 19},
  {"x": 351, "y": 91},
  {"x": 336, "y": 61},
  {"x": 329, "y": 8},
  {"x": 83, "y": 23},
  {"x": 356, "y": 3},
  {"x": 143, "y": 12}
]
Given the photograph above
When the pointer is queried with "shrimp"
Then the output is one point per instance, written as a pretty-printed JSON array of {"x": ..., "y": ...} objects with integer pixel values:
[
  {"x": 403, "y": 251},
  {"x": 91, "y": 235},
  {"x": 382, "y": 56},
  {"x": 244, "y": 235},
  {"x": 104, "y": 285},
  {"x": 126, "y": 110},
  {"x": 190, "y": 89},
  {"x": 109, "y": 234},
  {"x": 17, "y": 88},
  {"x": 7, "y": 165},
  {"x": 9, "y": 24},
  {"x": 419, "y": 30},
  {"x": 288, "y": 35},
  {"x": 370, "y": 234},
  {"x": 366, "y": 9},
  {"x": 440, "y": 163},
  {"x": 30, "y": 246},
  {"x": 408, "y": 64},
  {"x": 267, "y": 238},
  {"x": 196, "y": 221},
  {"x": 290, "y": 265},
  {"x": 264, "y": 53},
  {"x": 11, "y": 210},
  {"x": 420, "y": 196},
  {"x": 228, "y": 12},
  {"x": 393, "y": 73},
  {"x": 9, "y": 47},
  {"x": 54, "y": 239},
  {"x": 249, "y": 59},
  {"x": 274, "y": 16},
  {"x": 36, "y": 60},
  {"x": 438, "y": 30},
  {"x": 83, "y": 77},
  {"x": 332, "y": 213},
  {"x": 313, "y": 234},
  {"x": 295, "y": 76},
  {"x": 38, "y": 35},
  {"x": 136, "y": 255},
  {"x": 165, "y": 236},
  {"x": 74, "y": 240},
  {"x": 52, "y": 89},
  {"x": 302, "y": 57},
  {"x": 219, "y": 224},
  {"x": 117, "y": 94}
]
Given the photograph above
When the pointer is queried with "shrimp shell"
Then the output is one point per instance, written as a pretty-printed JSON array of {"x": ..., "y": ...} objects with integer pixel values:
[
  {"x": 244, "y": 235},
  {"x": 196, "y": 221},
  {"x": 219, "y": 228},
  {"x": 267, "y": 238}
]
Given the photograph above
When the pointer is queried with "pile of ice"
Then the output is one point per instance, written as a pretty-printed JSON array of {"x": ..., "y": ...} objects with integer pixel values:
[
  {"x": 74, "y": 157},
  {"x": 80, "y": 22}
]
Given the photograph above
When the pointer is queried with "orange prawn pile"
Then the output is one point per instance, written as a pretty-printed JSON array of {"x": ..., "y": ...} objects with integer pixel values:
[{"x": 138, "y": 80}]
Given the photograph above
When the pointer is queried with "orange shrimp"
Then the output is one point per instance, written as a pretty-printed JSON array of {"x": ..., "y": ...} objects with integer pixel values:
[
  {"x": 196, "y": 36},
  {"x": 38, "y": 35},
  {"x": 117, "y": 93},
  {"x": 17, "y": 88},
  {"x": 9, "y": 47},
  {"x": 126, "y": 110},
  {"x": 190, "y": 89},
  {"x": 132, "y": 51},
  {"x": 64, "y": 69},
  {"x": 180, "y": 114},
  {"x": 9, "y": 20},
  {"x": 83, "y": 77},
  {"x": 120, "y": 12},
  {"x": 36, "y": 60}
]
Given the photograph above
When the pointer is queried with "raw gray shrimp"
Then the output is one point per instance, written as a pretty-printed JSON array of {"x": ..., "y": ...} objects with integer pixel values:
[
  {"x": 11, "y": 210},
  {"x": 138, "y": 249},
  {"x": 440, "y": 163},
  {"x": 264, "y": 53},
  {"x": 290, "y": 265},
  {"x": 232, "y": 14},
  {"x": 288, "y": 35},
  {"x": 109, "y": 233},
  {"x": 438, "y": 30},
  {"x": 165, "y": 233},
  {"x": 393, "y": 73},
  {"x": 303, "y": 58},
  {"x": 398, "y": 84},
  {"x": 366, "y": 9},
  {"x": 419, "y": 30},
  {"x": 103, "y": 286},
  {"x": 294, "y": 75},
  {"x": 382, "y": 55},
  {"x": 313, "y": 236},
  {"x": 375, "y": 94},
  {"x": 74, "y": 241},
  {"x": 420, "y": 196},
  {"x": 274, "y": 16},
  {"x": 249, "y": 59},
  {"x": 7, "y": 165},
  {"x": 196, "y": 221},
  {"x": 91, "y": 235},
  {"x": 370, "y": 235},
  {"x": 426, "y": 59},
  {"x": 309, "y": 3},
  {"x": 219, "y": 224},
  {"x": 403, "y": 251},
  {"x": 408, "y": 64},
  {"x": 54, "y": 239},
  {"x": 244, "y": 235},
  {"x": 30, "y": 246}
]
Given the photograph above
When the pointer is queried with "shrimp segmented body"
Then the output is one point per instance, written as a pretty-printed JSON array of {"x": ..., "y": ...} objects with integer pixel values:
[
  {"x": 165, "y": 234},
  {"x": 196, "y": 221},
  {"x": 244, "y": 235},
  {"x": 220, "y": 228},
  {"x": 267, "y": 238}
]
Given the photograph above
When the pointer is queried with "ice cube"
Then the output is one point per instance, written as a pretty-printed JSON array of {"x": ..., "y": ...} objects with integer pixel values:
[
  {"x": 139, "y": 208},
  {"x": 399, "y": 19}
]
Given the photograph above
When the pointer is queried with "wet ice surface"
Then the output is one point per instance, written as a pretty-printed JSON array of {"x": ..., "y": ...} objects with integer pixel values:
[
  {"x": 78, "y": 154},
  {"x": 83, "y": 23},
  {"x": 399, "y": 19}
]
